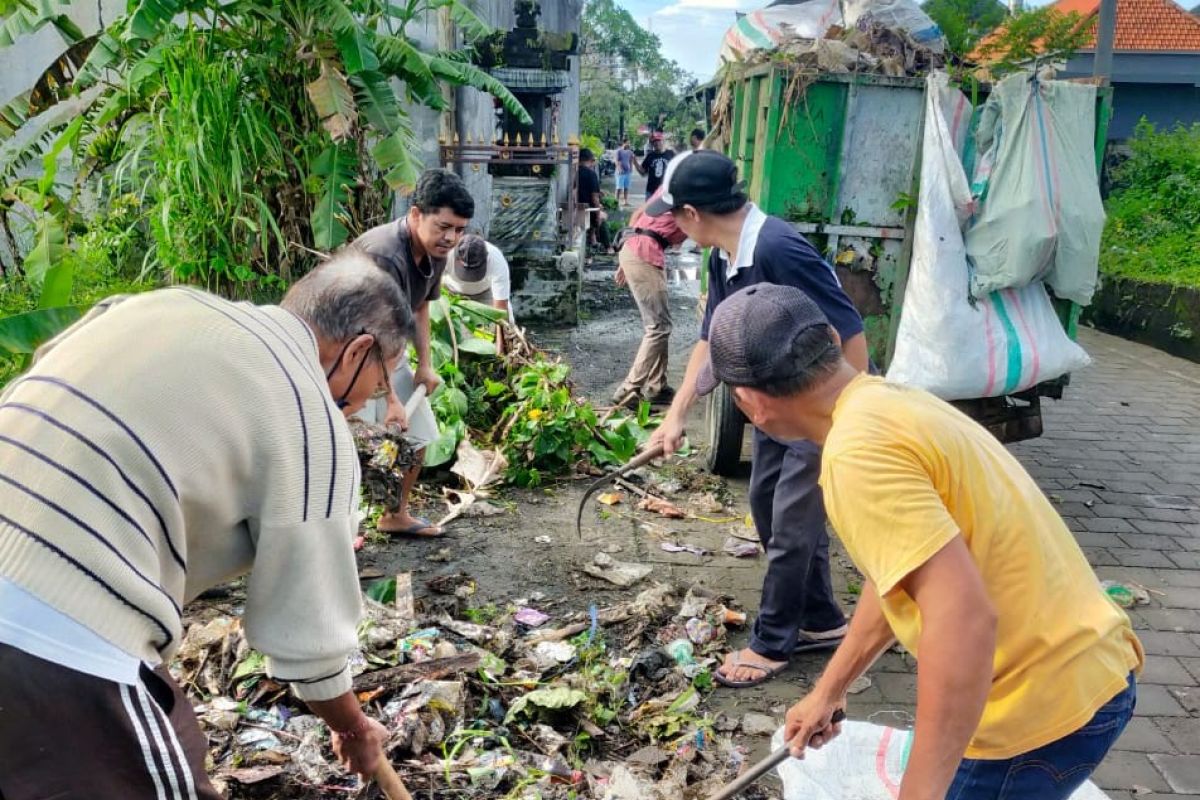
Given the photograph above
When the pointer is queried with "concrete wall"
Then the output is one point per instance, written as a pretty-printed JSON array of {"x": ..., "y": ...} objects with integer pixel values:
[{"x": 1163, "y": 87}]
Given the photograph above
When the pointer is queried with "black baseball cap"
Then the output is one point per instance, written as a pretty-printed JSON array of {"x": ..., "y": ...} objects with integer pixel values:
[
  {"x": 697, "y": 178},
  {"x": 751, "y": 333}
]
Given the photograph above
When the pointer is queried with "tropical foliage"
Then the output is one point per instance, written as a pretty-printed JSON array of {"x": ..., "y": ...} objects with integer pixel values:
[
  {"x": 520, "y": 402},
  {"x": 626, "y": 80},
  {"x": 1154, "y": 209},
  {"x": 250, "y": 133}
]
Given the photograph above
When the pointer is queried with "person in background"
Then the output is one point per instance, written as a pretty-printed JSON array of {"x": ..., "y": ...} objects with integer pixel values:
[
  {"x": 624, "y": 172},
  {"x": 1025, "y": 666},
  {"x": 642, "y": 266},
  {"x": 591, "y": 198},
  {"x": 798, "y": 611},
  {"x": 477, "y": 270},
  {"x": 696, "y": 139},
  {"x": 413, "y": 250},
  {"x": 218, "y": 448},
  {"x": 654, "y": 165}
]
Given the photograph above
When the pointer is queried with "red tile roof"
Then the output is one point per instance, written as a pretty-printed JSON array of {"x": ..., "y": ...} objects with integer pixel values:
[{"x": 1142, "y": 25}]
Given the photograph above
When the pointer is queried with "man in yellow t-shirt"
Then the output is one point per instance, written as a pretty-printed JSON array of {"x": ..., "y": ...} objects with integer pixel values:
[{"x": 1024, "y": 665}]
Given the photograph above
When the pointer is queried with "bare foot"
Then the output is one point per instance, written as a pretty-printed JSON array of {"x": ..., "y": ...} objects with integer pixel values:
[
  {"x": 736, "y": 666},
  {"x": 407, "y": 524}
]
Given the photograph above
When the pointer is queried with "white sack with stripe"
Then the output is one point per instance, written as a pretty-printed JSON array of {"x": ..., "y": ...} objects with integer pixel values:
[
  {"x": 1039, "y": 214},
  {"x": 1002, "y": 343},
  {"x": 865, "y": 762}
]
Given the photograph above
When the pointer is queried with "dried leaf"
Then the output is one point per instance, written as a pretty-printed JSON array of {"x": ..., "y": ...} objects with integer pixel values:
[
  {"x": 664, "y": 508},
  {"x": 610, "y": 498}
]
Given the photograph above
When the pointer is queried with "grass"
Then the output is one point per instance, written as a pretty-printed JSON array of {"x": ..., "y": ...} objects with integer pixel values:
[{"x": 1154, "y": 215}]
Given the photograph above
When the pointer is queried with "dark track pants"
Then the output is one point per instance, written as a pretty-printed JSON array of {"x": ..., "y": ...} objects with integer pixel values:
[
  {"x": 789, "y": 513},
  {"x": 72, "y": 736}
]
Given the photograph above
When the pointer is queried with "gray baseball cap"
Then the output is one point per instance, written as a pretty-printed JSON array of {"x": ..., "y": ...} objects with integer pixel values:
[
  {"x": 470, "y": 258},
  {"x": 751, "y": 334}
]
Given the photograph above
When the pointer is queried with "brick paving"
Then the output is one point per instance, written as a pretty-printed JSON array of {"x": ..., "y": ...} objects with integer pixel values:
[{"x": 1121, "y": 459}]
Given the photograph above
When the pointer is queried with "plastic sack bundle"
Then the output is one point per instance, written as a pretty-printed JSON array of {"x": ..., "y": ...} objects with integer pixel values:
[
  {"x": 1039, "y": 215},
  {"x": 767, "y": 28},
  {"x": 866, "y": 762},
  {"x": 902, "y": 15},
  {"x": 1006, "y": 341}
]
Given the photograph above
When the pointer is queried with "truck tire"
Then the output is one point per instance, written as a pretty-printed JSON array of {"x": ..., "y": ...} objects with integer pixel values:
[{"x": 726, "y": 427}]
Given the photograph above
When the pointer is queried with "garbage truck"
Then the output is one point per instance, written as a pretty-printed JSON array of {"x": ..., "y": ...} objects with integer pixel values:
[{"x": 839, "y": 156}]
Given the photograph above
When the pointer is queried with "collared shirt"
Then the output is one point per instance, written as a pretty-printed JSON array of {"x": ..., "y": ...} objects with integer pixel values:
[
  {"x": 747, "y": 241},
  {"x": 390, "y": 245},
  {"x": 772, "y": 251}
]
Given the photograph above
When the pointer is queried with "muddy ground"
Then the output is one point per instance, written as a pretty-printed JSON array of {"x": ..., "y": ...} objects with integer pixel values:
[{"x": 502, "y": 555}]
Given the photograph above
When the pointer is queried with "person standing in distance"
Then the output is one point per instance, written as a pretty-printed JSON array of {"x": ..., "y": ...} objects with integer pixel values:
[
  {"x": 624, "y": 172},
  {"x": 654, "y": 165}
]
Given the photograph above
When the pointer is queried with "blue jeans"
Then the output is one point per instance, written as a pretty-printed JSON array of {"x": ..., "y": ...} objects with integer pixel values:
[{"x": 1052, "y": 772}]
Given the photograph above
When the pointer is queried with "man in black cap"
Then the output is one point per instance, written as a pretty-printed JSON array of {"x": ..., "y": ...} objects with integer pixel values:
[
  {"x": 798, "y": 611},
  {"x": 1025, "y": 666}
]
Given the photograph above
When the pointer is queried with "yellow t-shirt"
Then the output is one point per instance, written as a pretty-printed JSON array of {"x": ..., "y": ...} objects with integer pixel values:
[{"x": 903, "y": 473}]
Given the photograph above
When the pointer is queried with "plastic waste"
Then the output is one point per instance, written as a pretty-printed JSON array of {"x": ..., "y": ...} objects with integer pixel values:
[
  {"x": 682, "y": 651},
  {"x": 1039, "y": 213},
  {"x": 866, "y": 762}
]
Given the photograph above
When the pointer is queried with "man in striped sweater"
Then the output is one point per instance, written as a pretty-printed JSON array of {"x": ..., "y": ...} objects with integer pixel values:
[{"x": 166, "y": 443}]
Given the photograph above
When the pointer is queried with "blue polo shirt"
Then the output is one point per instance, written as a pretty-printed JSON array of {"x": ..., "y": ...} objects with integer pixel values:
[{"x": 772, "y": 251}]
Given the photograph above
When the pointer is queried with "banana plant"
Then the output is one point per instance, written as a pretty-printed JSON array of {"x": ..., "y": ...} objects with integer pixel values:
[{"x": 353, "y": 58}]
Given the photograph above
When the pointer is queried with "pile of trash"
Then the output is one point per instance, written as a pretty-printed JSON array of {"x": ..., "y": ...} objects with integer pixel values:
[
  {"x": 486, "y": 702},
  {"x": 881, "y": 37},
  {"x": 889, "y": 37}
]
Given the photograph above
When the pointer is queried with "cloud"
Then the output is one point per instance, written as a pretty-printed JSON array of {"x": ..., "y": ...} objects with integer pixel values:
[{"x": 691, "y": 31}]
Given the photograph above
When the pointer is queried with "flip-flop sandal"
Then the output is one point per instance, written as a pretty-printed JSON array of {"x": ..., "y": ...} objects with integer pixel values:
[
  {"x": 767, "y": 674},
  {"x": 807, "y": 644},
  {"x": 415, "y": 530}
]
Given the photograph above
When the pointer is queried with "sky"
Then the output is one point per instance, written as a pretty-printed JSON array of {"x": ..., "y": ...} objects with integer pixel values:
[{"x": 690, "y": 30}]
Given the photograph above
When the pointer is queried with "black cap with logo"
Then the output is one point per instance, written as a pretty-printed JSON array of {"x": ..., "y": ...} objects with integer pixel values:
[{"x": 696, "y": 178}]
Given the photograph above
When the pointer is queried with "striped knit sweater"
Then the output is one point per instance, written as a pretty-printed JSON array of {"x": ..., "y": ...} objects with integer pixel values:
[{"x": 167, "y": 443}]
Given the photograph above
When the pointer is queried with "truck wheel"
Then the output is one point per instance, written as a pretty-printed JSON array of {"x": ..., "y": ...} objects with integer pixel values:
[{"x": 726, "y": 426}]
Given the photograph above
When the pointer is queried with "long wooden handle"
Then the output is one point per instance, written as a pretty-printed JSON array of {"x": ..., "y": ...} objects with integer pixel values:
[{"x": 390, "y": 783}]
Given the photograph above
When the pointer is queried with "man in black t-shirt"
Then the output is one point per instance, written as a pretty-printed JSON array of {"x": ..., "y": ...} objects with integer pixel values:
[
  {"x": 654, "y": 165},
  {"x": 590, "y": 197}
]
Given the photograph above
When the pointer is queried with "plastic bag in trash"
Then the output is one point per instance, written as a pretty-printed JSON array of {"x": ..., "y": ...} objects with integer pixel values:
[{"x": 866, "y": 762}]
